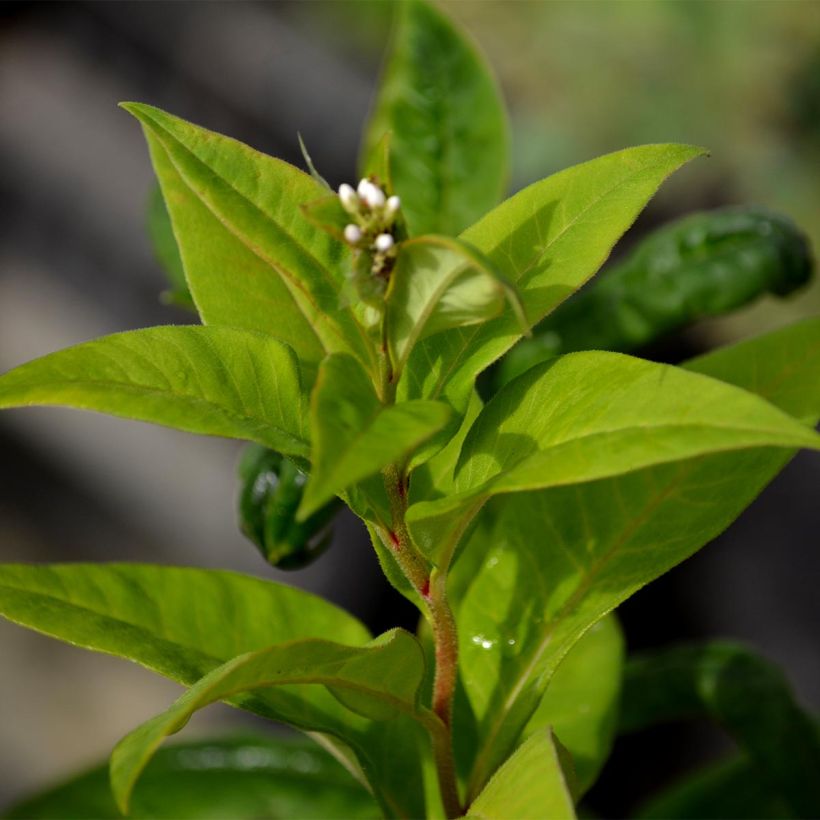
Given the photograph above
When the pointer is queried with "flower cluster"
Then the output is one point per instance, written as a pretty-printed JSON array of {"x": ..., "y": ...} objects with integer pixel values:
[{"x": 374, "y": 222}]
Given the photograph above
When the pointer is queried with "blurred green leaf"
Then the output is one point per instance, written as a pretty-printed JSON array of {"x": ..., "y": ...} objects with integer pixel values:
[
  {"x": 747, "y": 695},
  {"x": 376, "y": 681},
  {"x": 355, "y": 435},
  {"x": 251, "y": 258},
  {"x": 166, "y": 249},
  {"x": 441, "y": 106},
  {"x": 547, "y": 240},
  {"x": 530, "y": 783},
  {"x": 245, "y": 778},
  {"x": 211, "y": 380}
]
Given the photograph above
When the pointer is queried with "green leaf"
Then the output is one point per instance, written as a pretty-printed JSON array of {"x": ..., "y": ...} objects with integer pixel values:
[
  {"x": 210, "y": 380},
  {"x": 355, "y": 435},
  {"x": 727, "y": 790},
  {"x": 530, "y": 784},
  {"x": 547, "y": 240},
  {"x": 166, "y": 249},
  {"x": 592, "y": 415},
  {"x": 747, "y": 695},
  {"x": 581, "y": 701},
  {"x": 251, "y": 258},
  {"x": 242, "y": 777},
  {"x": 440, "y": 283},
  {"x": 563, "y": 557},
  {"x": 437, "y": 98},
  {"x": 376, "y": 681}
]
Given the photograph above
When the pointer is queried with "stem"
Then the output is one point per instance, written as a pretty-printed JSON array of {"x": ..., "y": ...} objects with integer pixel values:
[{"x": 431, "y": 587}]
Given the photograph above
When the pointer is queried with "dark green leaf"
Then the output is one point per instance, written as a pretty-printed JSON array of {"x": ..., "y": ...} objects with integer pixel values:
[
  {"x": 355, "y": 435},
  {"x": 251, "y": 258},
  {"x": 377, "y": 681},
  {"x": 244, "y": 777},
  {"x": 745, "y": 694},
  {"x": 531, "y": 783},
  {"x": 547, "y": 240},
  {"x": 439, "y": 102},
  {"x": 166, "y": 249},
  {"x": 211, "y": 380}
]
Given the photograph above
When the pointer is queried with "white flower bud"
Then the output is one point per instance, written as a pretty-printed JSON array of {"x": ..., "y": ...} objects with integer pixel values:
[
  {"x": 348, "y": 198},
  {"x": 392, "y": 205},
  {"x": 371, "y": 194},
  {"x": 353, "y": 234},
  {"x": 364, "y": 185},
  {"x": 383, "y": 242}
]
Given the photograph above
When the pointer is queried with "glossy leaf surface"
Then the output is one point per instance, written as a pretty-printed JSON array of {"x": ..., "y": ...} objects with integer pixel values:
[
  {"x": 377, "y": 681},
  {"x": 591, "y": 415},
  {"x": 438, "y": 284},
  {"x": 354, "y": 434},
  {"x": 563, "y": 557},
  {"x": 244, "y": 778},
  {"x": 530, "y": 783},
  {"x": 210, "y": 380},
  {"x": 251, "y": 258},
  {"x": 747, "y": 695},
  {"x": 547, "y": 240},
  {"x": 438, "y": 100}
]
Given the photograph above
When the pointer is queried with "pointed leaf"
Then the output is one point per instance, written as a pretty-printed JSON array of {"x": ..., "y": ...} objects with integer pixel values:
[
  {"x": 563, "y": 557},
  {"x": 381, "y": 678},
  {"x": 355, "y": 435},
  {"x": 530, "y": 784},
  {"x": 547, "y": 240},
  {"x": 251, "y": 258},
  {"x": 209, "y": 380},
  {"x": 240, "y": 777},
  {"x": 440, "y": 283},
  {"x": 448, "y": 153}
]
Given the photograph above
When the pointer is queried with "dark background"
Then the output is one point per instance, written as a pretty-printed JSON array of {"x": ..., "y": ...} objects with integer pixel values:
[{"x": 581, "y": 79}]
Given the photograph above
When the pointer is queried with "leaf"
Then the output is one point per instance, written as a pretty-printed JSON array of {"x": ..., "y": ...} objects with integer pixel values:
[
  {"x": 166, "y": 249},
  {"x": 582, "y": 699},
  {"x": 241, "y": 777},
  {"x": 210, "y": 380},
  {"x": 593, "y": 415},
  {"x": 547, "y": 240},
  {"x": 251, "y": 258},
  {"x": 727, "y": 790},
  {"x": 440, "y": 283},
  {"x": 530, "y": 784},
  {"x": 377, "y": 681},
  {"x": 562, "y": 558},
  {"x": 355, "y": 435},
  {"x": 449, "y": 145},
  {"x": 746, "y": 695}
]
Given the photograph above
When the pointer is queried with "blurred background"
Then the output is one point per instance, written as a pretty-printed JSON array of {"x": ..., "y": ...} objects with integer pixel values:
[{"x": 581, "y": 79}]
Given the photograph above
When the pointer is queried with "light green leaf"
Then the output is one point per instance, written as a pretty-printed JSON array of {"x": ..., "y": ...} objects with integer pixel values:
[
  {"x": 355, "y": 435},
  {"x": 210, "y": 380},
  {"x": 183, "y": 623},
  {"x": 547, "y": 240},
  {"x": 377, "y": 681},
  {"x": 530, "y": 784},
  {"x": 591, "y": 415},
  {"x": 562, "y": 558},
  {"x": 440, "y": 283},
  {"x": 449, "y": 147},
  {"x": 240, "y": 777},
  {"x": 251, "y": 258},
  {"x": 746, "y": 695},
  {"x": 581, "y": 701}
]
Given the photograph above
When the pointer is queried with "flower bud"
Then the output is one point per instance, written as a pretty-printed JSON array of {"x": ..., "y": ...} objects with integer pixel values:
[
  {"x": 348, "y": 198},
  {"x": 383, "y": 242},
  {"x": 392, "y": 205},
  {"x": 353, "y": 234},
  {"x": 371, "y": 194}
]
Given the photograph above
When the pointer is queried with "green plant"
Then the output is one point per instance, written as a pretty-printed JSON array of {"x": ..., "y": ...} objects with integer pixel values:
[{"x": 345, "y": 333}]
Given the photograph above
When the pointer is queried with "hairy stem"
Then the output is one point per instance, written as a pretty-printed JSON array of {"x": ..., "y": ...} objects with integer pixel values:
[{"x": 441, "y": 739}]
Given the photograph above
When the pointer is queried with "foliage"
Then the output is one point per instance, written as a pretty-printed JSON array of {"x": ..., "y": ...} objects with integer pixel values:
[{"x": 343, "y": 336}]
